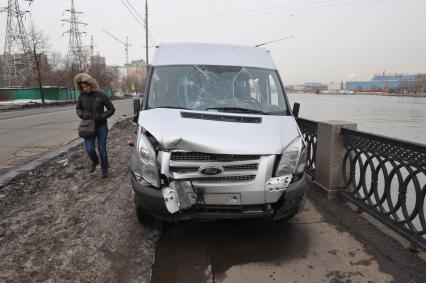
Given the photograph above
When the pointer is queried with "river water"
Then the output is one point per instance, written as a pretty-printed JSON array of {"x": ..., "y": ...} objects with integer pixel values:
[{"x": 393, "y": 116}]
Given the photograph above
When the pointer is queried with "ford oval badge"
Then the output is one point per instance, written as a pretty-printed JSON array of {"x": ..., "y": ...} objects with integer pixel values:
[{"x": 211, "y": 170}]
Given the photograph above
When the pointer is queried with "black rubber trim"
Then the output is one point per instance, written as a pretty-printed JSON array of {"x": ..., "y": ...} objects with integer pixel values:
[{"x": 222, "y": 118}]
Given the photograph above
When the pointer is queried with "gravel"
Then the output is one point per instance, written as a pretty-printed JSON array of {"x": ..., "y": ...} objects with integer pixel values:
[{"x": 60, "y": 223}]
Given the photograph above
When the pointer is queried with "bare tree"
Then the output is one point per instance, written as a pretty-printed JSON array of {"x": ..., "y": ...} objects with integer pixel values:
[
  {"x": 39, "y": 48},
  {"x": 106, "y": 76},
  {"x": 57, "y": 73}
]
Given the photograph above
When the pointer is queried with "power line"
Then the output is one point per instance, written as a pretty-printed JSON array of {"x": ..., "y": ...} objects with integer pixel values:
[
  {"x": 256, "y": 12},
  {"x": 132, "y": 13},
  {"x": 144, "y": 20},
  {"x": 250, "y": 11},
  {"x": 207, "y": 4},
  {"x": 137, "y": 16}
]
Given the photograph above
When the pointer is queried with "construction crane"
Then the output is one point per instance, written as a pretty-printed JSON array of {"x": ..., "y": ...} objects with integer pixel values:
[{"x": 126, "y": 49}]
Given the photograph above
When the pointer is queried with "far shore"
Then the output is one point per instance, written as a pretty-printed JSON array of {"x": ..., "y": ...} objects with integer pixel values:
[{"x": 365, "y": 93}]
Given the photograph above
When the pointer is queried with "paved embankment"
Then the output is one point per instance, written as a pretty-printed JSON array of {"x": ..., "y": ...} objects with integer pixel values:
[
  {"x": 326, "y": 242},
  {"x": 60, "y": 223}
]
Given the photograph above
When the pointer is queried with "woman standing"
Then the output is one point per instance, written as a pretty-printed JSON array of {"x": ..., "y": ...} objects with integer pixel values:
[{"x": 90, "y": 105}]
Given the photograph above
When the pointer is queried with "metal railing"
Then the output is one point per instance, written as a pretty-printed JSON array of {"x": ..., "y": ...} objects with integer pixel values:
[
  {"x": 309, "y": 130},
  {"x": 387, "y": 178}
]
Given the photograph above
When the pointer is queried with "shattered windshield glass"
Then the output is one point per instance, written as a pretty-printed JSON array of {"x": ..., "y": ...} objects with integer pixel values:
[{"x": 217, "y": 88}]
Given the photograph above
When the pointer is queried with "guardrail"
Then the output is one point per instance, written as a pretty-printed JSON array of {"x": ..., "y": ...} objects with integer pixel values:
[
  {"x": 387, "y": 178},
  {"x": 310, "y": 131}
]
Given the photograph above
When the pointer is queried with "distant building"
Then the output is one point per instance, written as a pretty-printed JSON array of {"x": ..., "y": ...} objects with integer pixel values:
[
  {"x": 314, "y": 87},
  {"x": 137, "y": 68},
  {"x": 22, "y": 69},
  {"x": 98, "y": 61},
  {"x": 385, "y": 82},
  {"x": 335, "y": 86}
]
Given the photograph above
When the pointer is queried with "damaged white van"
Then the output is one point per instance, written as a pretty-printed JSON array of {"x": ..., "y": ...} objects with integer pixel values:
[{"x": 216, "y": 137}]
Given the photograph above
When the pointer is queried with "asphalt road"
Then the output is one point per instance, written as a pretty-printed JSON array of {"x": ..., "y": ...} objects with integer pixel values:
[{"x": 27, "y": 134}]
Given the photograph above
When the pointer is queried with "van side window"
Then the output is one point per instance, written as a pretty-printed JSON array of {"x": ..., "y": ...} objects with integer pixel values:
[{"x": 272, "y": 88}]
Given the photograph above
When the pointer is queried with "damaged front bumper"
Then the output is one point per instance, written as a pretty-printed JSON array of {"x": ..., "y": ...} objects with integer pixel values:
[{"x": 180, "y": 201}]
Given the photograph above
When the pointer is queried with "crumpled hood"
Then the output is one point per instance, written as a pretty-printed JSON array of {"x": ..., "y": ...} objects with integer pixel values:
[{"x": 172, "y": 131}]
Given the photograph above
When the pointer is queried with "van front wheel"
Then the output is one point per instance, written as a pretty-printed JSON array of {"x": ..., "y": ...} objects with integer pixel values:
[{"x": 285, "y": 216}]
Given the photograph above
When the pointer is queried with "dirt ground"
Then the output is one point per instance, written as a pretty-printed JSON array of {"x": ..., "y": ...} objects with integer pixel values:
[{"x": 60, "y": 223}]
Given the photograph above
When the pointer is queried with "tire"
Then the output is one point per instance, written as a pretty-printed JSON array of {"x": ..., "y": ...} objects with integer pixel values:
[
  {"x": 286, "y": 218},
  {"x": 143, "y": 215},
  {"x": 291, "y": 215}
]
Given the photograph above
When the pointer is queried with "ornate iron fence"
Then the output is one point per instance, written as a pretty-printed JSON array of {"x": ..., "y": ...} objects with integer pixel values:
[
  {"x": 309, "y": 130},
  {"x": 387, "y": 178}
]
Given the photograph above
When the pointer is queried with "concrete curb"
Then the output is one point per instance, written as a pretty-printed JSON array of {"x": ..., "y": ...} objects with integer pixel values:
[
  {"x": 21, "y": 169},
  {"x": 17, "y": 171}
]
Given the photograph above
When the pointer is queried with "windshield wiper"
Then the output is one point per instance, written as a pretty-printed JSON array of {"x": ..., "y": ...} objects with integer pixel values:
[{"x": 236, "y": 109}]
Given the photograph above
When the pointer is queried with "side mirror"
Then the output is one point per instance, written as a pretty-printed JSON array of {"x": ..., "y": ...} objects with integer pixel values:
[
  {"x": 136, "y": 109},
  {"x": 296, "y": 108}
]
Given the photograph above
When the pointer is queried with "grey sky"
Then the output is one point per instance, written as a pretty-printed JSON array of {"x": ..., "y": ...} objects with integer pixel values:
[{"x": 334, "y": 39}]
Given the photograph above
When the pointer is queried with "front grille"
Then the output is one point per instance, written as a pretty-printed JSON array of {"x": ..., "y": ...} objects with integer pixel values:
[
  {"x": 198, "y": 156},
  {"x": 229, "y": 208},
  {"x": 224, "y": 179},
  {"x": 236, "y": 167},
  {"x": 190, "y": 169},
  {"x": 241, "y": 167},
  {"x": 183, "y": 169}
]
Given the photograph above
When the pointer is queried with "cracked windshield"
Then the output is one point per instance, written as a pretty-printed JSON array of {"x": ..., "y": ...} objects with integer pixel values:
[{"x": 217, "y": 88}]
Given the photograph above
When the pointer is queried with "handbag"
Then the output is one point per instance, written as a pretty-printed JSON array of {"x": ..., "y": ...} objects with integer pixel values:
[{"x": 86, "y": 129}]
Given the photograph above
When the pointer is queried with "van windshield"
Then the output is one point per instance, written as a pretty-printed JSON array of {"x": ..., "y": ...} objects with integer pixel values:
[{"x": 217, "y": 88}]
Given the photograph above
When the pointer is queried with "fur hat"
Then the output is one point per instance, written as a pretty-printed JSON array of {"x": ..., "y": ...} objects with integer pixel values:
[{"x": 85, "y": 78}]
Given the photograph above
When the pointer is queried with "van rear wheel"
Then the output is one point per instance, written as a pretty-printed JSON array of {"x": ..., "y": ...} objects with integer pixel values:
[{"x": 144, "y": 217}]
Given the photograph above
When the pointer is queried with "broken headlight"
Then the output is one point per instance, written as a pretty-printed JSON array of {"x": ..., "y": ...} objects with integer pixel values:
[
  {"x": 147, "y": 157},
  {"x": 293, "y": 158}
]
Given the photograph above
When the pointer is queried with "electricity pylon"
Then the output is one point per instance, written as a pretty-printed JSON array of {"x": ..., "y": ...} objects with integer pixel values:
[
  {"x": 76, "y": 58},
  {"x": 17, "y": 59}
]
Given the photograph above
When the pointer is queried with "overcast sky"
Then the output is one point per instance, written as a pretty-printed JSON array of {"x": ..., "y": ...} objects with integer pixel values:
[{"x": 333, "y": 40}]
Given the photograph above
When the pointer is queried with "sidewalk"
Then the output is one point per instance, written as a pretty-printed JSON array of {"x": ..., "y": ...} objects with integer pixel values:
[{"x": 326, "y": 242}]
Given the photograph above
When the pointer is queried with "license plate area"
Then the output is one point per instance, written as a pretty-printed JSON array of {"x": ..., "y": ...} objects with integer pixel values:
[{"x": 222, "y": 199}]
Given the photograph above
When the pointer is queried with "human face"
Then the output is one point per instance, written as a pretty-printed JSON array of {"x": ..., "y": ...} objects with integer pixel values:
[{"x": 86, "y": 87}]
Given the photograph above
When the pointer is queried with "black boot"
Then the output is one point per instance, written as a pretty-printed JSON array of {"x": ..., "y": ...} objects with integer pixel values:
[
  {"x": 95, "y": 163},
  {"x": 104, "y": 172}
]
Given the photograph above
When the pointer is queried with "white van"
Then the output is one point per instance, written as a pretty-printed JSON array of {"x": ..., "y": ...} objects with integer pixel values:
[{"x": 216, "y": 137}]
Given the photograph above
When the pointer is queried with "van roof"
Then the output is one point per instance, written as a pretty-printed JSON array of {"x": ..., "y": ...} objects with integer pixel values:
[{"x": 168, "y": 54}]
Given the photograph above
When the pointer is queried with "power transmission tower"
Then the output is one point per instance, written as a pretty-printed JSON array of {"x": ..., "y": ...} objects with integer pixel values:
[
  {"x": 17, "y": 60},
  {"x": 77, "y": 57}
]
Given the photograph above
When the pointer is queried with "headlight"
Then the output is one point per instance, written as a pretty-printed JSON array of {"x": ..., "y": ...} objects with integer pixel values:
[
  {"x": 291, "y": 158},
  {"x": 147, "y": 156}
]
